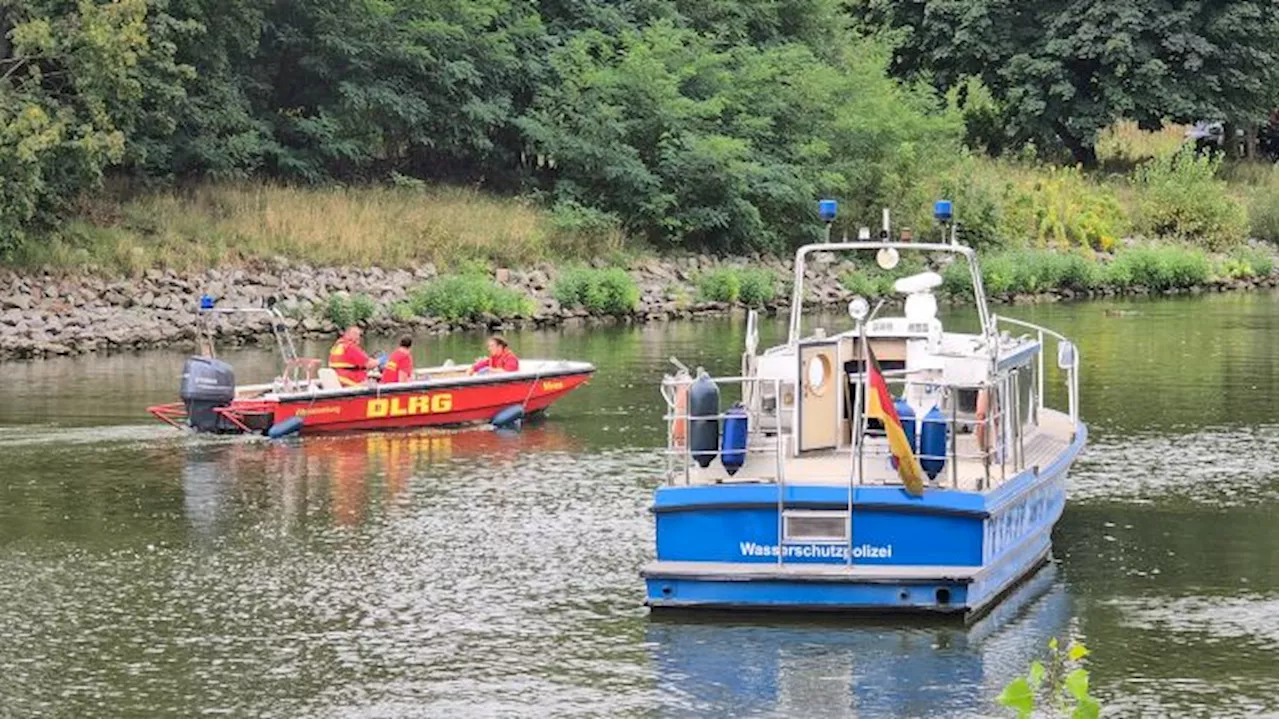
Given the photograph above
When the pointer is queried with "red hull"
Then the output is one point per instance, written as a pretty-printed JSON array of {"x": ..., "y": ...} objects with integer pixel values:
[
  {"x": 397, "y": 406},
  {"x": 415, "y": 405}
]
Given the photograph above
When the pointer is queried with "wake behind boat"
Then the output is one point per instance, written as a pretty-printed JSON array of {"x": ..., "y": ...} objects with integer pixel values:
[
  {"x": 310, "y": 399},
  {"x": 825, "y": 489}
]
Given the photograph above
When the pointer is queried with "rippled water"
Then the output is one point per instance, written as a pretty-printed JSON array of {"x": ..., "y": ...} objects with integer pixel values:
[{"x": 483, "y": 573}]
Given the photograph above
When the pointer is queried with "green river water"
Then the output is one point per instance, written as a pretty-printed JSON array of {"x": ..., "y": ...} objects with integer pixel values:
[{"x": 144, "y": 572}]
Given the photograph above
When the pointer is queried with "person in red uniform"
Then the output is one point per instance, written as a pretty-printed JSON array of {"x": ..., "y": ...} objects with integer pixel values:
[
  {"x": 500, "y": 359},
  {"x": 349, "y": 360},
  {"x": 399, "y": 367}
]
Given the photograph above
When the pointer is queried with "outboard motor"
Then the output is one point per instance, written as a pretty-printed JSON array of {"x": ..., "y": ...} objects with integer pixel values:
[{"x": 207, "y": 383}]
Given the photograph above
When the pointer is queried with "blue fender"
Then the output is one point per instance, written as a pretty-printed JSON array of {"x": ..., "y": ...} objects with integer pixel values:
[
  {"x": 508, "y": 417},
  {"x": 285, "y": 428}
]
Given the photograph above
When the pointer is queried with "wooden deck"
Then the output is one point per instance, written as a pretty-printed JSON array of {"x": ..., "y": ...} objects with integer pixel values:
[{"x": 970, "y": 473}]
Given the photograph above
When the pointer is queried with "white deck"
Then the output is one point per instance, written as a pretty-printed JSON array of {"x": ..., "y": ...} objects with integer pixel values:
[
  {"x": 1041, "y": 445},
  {"x": 423, "y": 378}
]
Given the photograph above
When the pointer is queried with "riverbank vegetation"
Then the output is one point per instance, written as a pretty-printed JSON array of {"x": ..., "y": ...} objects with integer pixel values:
[
  {"x": 609, "y": 291},
  {"x": 751, "y": 287},
  {"x": 142, "y": 134}
]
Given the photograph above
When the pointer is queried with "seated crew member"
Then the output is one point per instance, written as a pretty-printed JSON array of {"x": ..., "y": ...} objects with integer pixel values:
[
  {"x": 349, "y": 361},
  {"x": 399, "y": 367},
  {"x": 500, "y": 359}
]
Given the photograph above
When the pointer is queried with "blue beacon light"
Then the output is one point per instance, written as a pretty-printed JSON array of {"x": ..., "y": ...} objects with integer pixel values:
[
  {"x": 206, "y": 302},
  {"x": 827, "y": 210},
  {"x": 942, "y": 210}
]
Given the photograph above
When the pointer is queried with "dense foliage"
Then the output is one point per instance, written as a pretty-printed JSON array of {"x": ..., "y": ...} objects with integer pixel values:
[
  {"x": 708, "y": 124},
  {"x": 1060, "y": 72}
]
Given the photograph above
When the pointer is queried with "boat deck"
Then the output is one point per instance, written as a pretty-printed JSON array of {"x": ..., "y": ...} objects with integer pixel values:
[{"x": 1041, "y": 445}]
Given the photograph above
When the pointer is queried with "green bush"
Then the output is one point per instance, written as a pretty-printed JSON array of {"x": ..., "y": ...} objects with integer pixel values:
[
  {"x": 346, "y": 311},
  {"x": 338, "y": 311},
  {"x": 871, "y": 280},
  {"x": 751, "y": 286},
  {"x": 468, "y": 297},
  {"x": 955, "y": 279},
  {"x": 867, "y": 284},
  {"x": 1061, "y": 208},
  {"x": 1158, "y": 268},
  {"x": 1264, "y": 211},
  {"x": 719, "y": 285},
  {"x": 1181, "y": 198},
  {"x": 757, "y": 287},
  {"x": 1026, "y": 271},
  {"x": 362, "y": 308},
  {"x": 610, "y": 291},
  {"x": 1245, "y": 262}
]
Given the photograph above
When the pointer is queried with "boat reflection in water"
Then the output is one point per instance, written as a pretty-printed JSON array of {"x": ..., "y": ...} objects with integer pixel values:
[
  {"x": 810, "y": 666},
  {"x": 346, "y": 478}
]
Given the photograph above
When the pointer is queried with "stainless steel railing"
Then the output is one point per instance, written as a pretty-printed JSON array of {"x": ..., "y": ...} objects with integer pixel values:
[
  {"x": 1070, "y": 364},
  {"x": 998, "y": 435}
]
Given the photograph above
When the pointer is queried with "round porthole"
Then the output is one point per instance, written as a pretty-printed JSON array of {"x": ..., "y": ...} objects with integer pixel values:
[{"x": 819, "y": 371}]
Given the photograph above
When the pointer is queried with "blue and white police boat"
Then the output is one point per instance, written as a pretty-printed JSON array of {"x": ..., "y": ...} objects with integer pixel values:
[{"x": 781, "y": 491}]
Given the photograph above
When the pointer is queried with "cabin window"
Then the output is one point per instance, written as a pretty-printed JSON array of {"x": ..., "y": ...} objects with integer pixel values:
[
  {"x": 818, "y": 371},
  {"x": 815, "y": 526}
]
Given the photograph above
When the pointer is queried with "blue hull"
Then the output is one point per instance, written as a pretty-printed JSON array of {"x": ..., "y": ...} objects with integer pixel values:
[{"x": 946, "y": 552}]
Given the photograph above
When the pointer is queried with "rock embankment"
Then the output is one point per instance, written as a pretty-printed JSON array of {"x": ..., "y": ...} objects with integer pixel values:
[{"x": 57, "y": 314}]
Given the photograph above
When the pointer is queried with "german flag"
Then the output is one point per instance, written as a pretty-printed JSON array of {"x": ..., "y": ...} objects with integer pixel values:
[{"x": 880, "y": 406}]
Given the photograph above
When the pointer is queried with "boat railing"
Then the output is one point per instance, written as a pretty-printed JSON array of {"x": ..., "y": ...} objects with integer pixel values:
[
  {"x": 679, "y": 452},
  {"x": 995, "y": 446},
  {"x": 1068, "y": 362}
]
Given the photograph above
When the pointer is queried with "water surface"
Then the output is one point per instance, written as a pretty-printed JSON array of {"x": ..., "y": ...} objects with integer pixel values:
[{"x": 482, "y": 573}]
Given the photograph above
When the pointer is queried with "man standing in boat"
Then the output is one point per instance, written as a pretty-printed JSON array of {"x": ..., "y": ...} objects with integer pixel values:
[
  {"x": 500, "y": 359},
  {"x": 349, "y": 361}
]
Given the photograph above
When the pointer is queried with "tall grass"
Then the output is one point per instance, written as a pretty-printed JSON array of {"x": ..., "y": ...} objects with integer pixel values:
[
  {"x": 210, "y": 225},
  {"x": 1257, "y": 185},
  {"x": 1124, "y": 145}
]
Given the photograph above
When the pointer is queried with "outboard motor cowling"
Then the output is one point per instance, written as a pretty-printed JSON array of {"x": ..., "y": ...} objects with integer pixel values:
[{"x": 207, "y": 383}]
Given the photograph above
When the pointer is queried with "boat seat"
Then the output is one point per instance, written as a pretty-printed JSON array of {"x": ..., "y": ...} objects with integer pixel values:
[{"x": 328, "y": 378}]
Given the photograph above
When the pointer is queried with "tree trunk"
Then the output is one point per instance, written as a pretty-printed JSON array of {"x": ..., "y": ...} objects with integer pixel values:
[
  {"x": 1251, "y": 142},
  {"x": 1230, "y": 143},
  {"x": 1086, "y": 155}
]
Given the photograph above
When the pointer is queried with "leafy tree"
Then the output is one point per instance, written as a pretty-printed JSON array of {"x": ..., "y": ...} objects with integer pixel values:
[
  {"x": 359, "y": 89},
  {"x": 1066, "y": 70},
  {"x": 726, "y": 149},
  {"x": 74, "y": 84}
]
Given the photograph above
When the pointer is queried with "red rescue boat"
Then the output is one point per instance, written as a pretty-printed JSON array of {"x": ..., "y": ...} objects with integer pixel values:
[{"x": 307, "y": 398}]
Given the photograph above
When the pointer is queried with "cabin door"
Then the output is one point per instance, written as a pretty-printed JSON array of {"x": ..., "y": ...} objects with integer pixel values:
[{"x": 819, "y": 397}]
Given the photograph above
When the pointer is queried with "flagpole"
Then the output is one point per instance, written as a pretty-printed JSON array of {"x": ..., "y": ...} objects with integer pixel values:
[{"x": 860, "y": 415}]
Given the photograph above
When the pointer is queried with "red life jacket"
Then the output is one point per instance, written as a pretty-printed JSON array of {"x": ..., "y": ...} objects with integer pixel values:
[
  {"x": 349, "y": 362},
  {"x": 505, "y": 360},
  {"x": 400, "y": 361}
]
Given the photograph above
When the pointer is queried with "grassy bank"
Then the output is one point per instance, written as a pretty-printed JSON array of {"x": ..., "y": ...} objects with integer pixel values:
[
  {"x": 219, "y": 225},
  {"x": 1146, "y": 188}
]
